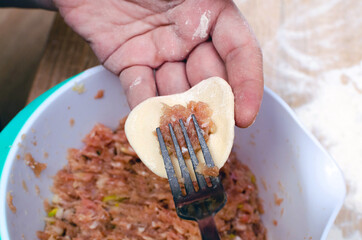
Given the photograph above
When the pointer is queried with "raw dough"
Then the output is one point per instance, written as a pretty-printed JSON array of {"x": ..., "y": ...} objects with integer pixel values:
[{"x": 145, "y": 118}]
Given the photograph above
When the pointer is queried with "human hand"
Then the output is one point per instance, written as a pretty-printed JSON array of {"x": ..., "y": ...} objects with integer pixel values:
[{"x": 165, "y": 47}]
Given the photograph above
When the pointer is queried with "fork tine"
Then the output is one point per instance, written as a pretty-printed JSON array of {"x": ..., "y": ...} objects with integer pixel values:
[
  {"x": 200, "y": 178},
  {"x": 171, "y": 175},
  {"x": 205, "y": 150},
  {"x": 181, "y": 161}
]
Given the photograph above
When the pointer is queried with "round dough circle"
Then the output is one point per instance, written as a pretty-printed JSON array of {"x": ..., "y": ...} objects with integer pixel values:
[{"x": 145, "y": 118}]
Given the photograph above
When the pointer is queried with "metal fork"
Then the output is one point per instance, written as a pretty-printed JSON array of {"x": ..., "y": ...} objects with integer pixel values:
[{"x": 201, "y": 205}]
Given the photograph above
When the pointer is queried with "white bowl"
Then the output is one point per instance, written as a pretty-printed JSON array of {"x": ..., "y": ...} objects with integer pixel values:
[{"x": 287, "y": 160}]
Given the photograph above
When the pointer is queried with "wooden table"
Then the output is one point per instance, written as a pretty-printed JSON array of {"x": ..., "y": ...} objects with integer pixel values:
[
  {"x": 305, "y": 44},
  {"x": 65, "y": 55}
]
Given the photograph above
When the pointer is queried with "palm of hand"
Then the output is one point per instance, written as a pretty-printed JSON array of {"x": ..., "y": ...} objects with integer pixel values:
[
  {"x": 124, "y": 34},
  {"x": 134, "y": 38}
]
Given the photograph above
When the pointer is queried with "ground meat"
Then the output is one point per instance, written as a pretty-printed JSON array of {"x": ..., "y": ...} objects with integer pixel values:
[
  {"x": 277, "y": 200},
  {"x": 71, "y": 122},
  {"x": 106, "y": 192},
  {"x": 173, "y": 114},
  {"x": 37, "y": 167},
  {"x": 25, "y": 187},
  {"x": 275, "y": 222},
  {"x": 9, "y": 200},
  {"x": 203, "y": 169},
  {"x": 99, "y": 94}
]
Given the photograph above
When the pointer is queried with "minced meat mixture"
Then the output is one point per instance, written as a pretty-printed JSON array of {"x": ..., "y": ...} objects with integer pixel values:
[
  {"x": 203, "y": 169},
  {"x": 35, "y": 166},
  {"x": 175, "y": 113},
  {"x": 9, "y": 200},
  {"x": 106, "y": 192}
]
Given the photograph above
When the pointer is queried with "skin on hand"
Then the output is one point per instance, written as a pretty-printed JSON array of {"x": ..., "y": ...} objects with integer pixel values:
[{"x": 165, "y": 47}]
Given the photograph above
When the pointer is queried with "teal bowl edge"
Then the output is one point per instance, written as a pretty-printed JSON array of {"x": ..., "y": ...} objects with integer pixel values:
[{"x": 11, "y": 130}]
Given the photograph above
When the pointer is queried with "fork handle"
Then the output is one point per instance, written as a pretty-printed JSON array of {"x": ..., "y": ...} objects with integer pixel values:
[{"x": 208, "y": 228}]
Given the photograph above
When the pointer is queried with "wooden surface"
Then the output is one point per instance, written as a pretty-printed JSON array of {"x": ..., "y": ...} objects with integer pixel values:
[
  {"x": 23, "y": 35},
  {"x": 305, "y": 45},
  {"x": 65, "y": 55}
]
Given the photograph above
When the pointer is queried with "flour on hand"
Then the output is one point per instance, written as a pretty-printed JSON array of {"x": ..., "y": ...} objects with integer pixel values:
[{"x": 201, "y": 31}]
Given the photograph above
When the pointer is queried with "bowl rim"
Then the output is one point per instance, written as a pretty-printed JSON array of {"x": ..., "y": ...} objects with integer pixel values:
[{"x": 10, "y": 134}]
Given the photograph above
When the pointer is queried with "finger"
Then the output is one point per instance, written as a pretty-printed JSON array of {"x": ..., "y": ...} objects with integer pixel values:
[
  {"x": 204, "y": 62},
  {"x": 240, "y": 51},
  {"x": 138, "y": 83},
  {"x": 171, "y": 78}
]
